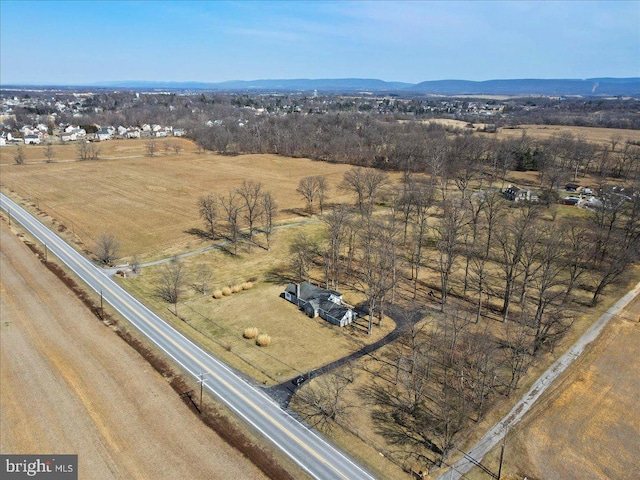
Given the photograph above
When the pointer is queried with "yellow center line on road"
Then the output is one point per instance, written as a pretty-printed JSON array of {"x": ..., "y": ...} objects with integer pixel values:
[{"x": 279, "y": 425}]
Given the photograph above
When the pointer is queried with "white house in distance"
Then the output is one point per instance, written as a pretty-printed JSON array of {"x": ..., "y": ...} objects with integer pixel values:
[
  {"x": 68, "y": 137},
  {"x": 31, "y": 139},
  {"x": 132, "y": 133},
  {"x": 102, "y": 135}
]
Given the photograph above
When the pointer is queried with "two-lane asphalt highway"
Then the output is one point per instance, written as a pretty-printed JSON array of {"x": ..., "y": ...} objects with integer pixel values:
[{"x": 310, "y": 451}]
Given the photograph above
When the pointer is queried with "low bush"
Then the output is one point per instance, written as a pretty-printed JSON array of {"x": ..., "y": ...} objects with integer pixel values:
[
  {"x": 226, "y": 291},
  {"x": 217, "y": 294},
  {"x": 247, "y": 285},
  {"x": 236, "y": 289}
]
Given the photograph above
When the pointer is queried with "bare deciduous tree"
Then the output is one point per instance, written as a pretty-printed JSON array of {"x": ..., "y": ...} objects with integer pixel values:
[
  {"x": 135, "y": 263},
  {"x": 107, "y": 248},
  {"x": 448, "y": 233},
  {"x": 313, "y": 188},
  {"x": 323, "y": 403},
  {"x": 367, "y": 185},
  {"x": 49, "y": 152},
  {"x": 208, "y": 211},
  {"x": 269, "y": 211},
  {"x": 173, "y": 280},
  {"x": 250, "y": 192},
  {"x": 202, "y": 278},
  {"x": 19, "y": 156},
  {"x": 151, "y": 147},
  {"x": 87, "y": 150},
  {"x": 338, "y": 223},
  {"x": 301, "y": 252},
  {"x": 232, "y": 208}
]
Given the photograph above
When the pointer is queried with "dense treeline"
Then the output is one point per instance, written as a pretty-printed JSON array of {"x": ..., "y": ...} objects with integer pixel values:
[{"x": 423, "y": 147}]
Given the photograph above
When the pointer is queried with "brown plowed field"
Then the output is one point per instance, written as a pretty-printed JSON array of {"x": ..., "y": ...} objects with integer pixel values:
[
  {"x": 69, "y": 385},
  {"x": 151, "y": 204},
  {"x": 588, "y": 427}
]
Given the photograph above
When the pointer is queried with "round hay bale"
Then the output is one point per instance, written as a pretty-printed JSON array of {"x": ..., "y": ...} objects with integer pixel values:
[
  {"x": 250, "y": 332},
  {"x": 263, "y": 340}
]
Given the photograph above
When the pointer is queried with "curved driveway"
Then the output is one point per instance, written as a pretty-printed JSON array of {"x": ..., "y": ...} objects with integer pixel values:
[{"x": 311, "y": 452}]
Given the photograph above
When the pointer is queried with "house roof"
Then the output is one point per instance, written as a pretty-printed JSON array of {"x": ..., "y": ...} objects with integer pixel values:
[{"x": 319, "y": 298}]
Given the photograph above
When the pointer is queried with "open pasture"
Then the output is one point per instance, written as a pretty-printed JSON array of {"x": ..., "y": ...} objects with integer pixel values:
[
  {"x": 150, "y": 203},
  {"x": 600, "y": 136}
]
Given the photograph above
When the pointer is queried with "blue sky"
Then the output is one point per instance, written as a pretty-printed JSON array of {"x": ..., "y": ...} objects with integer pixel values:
[{"x": 81, "y": 42}]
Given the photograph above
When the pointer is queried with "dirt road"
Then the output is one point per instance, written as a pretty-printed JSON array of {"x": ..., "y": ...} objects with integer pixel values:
[
  {"x": 592, "y": 413},
  {"x": 70, "y": 385}
]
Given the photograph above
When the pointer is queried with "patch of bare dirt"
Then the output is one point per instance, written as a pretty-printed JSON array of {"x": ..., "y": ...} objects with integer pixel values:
[{"x": 69, "y": 385}]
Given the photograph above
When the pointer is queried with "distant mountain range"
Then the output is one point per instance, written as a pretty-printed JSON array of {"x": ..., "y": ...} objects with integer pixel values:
[{"x": 585, "y": 87}]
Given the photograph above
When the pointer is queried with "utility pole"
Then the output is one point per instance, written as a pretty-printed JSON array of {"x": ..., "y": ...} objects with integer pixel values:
[
  {"x": 201, "y": 382},
  {"x": 504, "y": 443}
]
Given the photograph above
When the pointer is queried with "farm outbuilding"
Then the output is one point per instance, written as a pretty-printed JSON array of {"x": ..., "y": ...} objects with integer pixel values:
[{"x": 318, "y": 302}]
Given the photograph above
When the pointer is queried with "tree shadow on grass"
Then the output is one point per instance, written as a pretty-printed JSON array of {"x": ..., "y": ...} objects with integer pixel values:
[
  {"x": 199, "y": 233},
  {"x": 278, "y": 276}
]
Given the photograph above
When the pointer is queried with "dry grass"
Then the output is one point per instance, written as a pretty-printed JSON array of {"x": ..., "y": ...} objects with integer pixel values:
[
  {"x": 601, "y": 136},
  {"x": 591, "y": 411},
  {"x": 149, "y": 204}
]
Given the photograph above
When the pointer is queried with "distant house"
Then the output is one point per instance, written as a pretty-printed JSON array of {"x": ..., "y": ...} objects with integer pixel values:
[
  {"x": 31, "y": 139},
  {"x": 178, "y": 132},
  {"x": 517, "y": 194},
  {"x": 318, "y": 302},
  {"x": 132, "y": 133},
  {"x": 68, "y": 137},
  {"x": 102, "y": 135},
  {"x": 3, "y": 141}
]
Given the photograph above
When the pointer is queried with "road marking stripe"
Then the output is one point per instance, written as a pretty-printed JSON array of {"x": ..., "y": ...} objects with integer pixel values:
[{"x": 105, "y": 283}]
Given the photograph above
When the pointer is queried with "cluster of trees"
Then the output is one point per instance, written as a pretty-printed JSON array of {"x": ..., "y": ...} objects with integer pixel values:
[
  {"x": 507, "y": 278},
  {"x": 241, "y": 209},
  {"x": 87, "y": 150}
]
